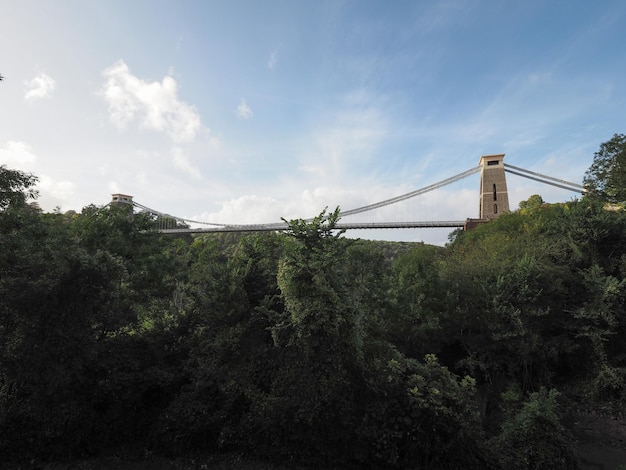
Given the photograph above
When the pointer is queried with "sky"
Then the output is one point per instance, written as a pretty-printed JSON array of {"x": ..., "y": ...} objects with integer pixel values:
[{"x": 234, "y": 111}]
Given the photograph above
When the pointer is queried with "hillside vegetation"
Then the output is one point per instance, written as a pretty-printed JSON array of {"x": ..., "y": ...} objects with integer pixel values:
[{"x": 305, "y": 347}]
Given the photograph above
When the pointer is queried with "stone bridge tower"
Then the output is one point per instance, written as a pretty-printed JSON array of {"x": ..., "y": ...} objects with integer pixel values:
[{"x": 494, "y": 198}]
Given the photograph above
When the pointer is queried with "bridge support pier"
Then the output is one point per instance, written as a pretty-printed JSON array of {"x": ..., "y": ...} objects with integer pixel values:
[{"x": 494, "y": 197}]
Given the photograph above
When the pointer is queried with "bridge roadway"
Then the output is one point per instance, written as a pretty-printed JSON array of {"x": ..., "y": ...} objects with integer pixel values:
[{"x": 339, "y": 226}]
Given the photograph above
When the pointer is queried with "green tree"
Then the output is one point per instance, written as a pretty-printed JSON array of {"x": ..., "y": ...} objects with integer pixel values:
[
  {"x": 16, "y": 187},
  {"x": 534, "y": 438},
  {"x": 511, "y": 291},
  {"x": 419, "y": 300},
  {"x": 319, "y": 335},
  {"x": 76, "y": 372},
  {"x": 311, "y": 279},
  {"x": 532, "y": 202},
  {"x": 224, "y": 341},
  {"x": 606, "y": 177},
  {"x": 417, "y": 415},
  {"x": 149, "y": 258},
  {"x": 55, "y": 298}
]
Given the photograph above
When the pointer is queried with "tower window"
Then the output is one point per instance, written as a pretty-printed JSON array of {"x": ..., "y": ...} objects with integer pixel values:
[
  {"x": 493, "y": 162},
  {"x": 495, "y": 208},
  {"x": 495, "y": 194}
]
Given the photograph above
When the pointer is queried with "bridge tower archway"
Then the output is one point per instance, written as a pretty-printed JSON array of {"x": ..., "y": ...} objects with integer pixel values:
[{"x": 494, "y": 196}]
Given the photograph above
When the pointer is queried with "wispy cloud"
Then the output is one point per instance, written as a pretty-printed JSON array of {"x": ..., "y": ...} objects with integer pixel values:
[
  {"x": 347, "y": 142},
  {"x": 273, "y": 60},
  {"x": 243, "y": 110},
  {"x": 153, "y": 105},
  {"x": 540, "y": 78},
  {"x": 182, "y": 162},
  {"x": 39, "y": 87}
]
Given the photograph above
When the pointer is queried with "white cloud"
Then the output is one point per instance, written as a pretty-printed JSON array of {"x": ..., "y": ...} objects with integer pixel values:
[
  {"x": 152, "y": 105},
  {"x": 273, "y": 60},
  {"x": 39, "y": 87},
  {"x": 17, "y": 156},
  {"x": 56, "y": 190},
  {"x": 181, "y": 161},
  {"x": 243, "y": 110},
  {"x": 249, "y": 209}
]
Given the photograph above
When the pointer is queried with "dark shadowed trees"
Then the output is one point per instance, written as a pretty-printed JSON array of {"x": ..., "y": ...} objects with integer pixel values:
[
  {"x": 55, "y": 298},
  {"x": 304, "y": 346}
]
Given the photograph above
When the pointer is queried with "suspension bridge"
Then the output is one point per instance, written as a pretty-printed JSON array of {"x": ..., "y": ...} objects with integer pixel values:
[{"x": 493, "y": 201}]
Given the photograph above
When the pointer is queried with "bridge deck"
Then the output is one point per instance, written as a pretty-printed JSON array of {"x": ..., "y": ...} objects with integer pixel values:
[
  {"x": 339, "y": 226},
  {"x": 208, "y": 227}
]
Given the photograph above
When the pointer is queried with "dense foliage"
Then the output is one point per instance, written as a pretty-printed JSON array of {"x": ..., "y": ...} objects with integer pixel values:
[
  {"x": 305, "y": 346},
  {"x": 606, "y": 178}
]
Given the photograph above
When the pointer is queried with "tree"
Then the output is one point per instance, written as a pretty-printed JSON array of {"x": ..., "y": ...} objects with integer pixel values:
[
  {"x": 419, "y": 298},
  {"x": 535, "y": 438},
  {"x": 532, "y": 202},
  {"x": 319, "y": 337},
  {"x": 606, "y": 177},
  {"x": 15, "y": 187},
  {"x": 54, "y": 297}
]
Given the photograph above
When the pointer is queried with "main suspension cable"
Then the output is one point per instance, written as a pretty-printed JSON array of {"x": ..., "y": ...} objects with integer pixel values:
[
  {"x": 577, "y": 188},
  {"x": 544, "y": 177},
  {"x": 412, "y": 194}
]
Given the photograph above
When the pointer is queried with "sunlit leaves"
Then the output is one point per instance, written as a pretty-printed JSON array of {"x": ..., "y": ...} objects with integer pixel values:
[{"x": 606, "y": 177}]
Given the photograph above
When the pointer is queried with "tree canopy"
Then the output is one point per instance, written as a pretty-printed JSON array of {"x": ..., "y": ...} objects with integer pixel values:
[
  {"x": 16, "y": 187},
  {"x": 606, "y": 178},
  {"x": 305, "y": 346}
]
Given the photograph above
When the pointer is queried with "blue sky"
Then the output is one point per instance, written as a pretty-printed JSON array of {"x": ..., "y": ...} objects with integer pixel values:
[{"x": 248, "y": 111}]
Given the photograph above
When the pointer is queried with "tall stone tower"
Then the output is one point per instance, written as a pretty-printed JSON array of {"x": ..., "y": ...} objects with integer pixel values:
[{"x": 494, "y": 198}]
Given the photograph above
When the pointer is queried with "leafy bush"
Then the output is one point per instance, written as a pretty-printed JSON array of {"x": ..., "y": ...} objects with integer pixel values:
[
  {"x": 534, "y": 438},
  {"x": 419, "y": 415}
]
